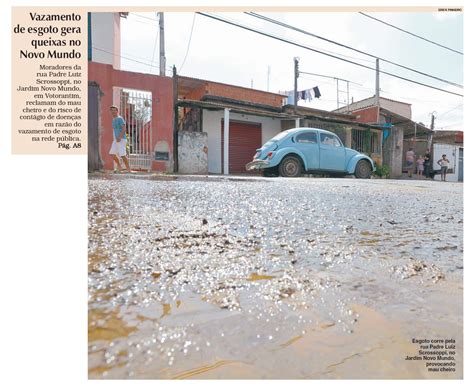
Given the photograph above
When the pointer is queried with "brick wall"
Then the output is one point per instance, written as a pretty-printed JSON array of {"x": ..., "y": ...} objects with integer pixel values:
[
  {"x": 161, "y": 88},
  {"x": 235, "y": 92},
  {"x": 366, "y": 115},
  {"x": 243, "y": 94},
  {"x": 197, "y": 93}
]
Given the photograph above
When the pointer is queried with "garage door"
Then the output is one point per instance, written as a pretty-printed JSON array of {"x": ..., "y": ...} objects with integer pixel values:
[{"x": 244, "y": 139}]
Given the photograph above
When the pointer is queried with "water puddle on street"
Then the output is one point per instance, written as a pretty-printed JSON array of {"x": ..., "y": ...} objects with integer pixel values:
[{"x": 247, "y": 279}]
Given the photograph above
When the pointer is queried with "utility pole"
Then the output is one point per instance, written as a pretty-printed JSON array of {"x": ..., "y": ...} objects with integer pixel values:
[
  {"x": 162, "y": 44},
  {"x": 377, "y": 89},
  {"x": 295, "y": 91},
  {"x": 347, "y": 96},
  {"x": 432, "y": 126}
]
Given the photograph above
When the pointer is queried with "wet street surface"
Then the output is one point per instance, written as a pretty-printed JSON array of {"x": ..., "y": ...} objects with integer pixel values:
[{"x": 271, "y": 277}]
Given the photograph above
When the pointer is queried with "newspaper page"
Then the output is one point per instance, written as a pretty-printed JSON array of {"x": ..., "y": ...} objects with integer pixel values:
[{"x": 272, "y": 192}]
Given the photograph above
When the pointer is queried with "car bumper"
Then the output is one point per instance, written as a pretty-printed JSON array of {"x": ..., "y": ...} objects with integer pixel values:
[{"x": 256, "y": 164}]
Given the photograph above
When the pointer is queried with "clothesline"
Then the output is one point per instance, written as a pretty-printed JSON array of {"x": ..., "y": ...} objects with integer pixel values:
[{"x": 307, "y": 95}]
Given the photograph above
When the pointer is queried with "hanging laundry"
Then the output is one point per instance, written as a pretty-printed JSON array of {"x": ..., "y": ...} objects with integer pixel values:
[
  {"x": 305, "y": 95},
  {"x": 317, "y": 94}
]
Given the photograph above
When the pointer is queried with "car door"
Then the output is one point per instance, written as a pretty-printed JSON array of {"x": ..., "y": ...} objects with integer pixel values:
[
  {"x": 332, "y": 154},
  {"x": 307, "y": 143}
]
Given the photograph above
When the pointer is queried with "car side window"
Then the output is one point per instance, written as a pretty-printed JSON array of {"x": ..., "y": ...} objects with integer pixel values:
[
  {"x": 330, "y": 139},
  {"x": 307, "y": 138}
]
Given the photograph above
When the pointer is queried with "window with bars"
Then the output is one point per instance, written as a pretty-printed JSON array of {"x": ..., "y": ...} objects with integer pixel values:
[{"x": 366, "y": 141}]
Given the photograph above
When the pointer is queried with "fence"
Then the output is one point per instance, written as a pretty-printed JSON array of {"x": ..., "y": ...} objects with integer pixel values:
[{"x": 136, "y": 109}]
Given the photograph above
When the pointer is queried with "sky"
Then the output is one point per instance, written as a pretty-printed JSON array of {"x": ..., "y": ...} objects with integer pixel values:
[{"x": 208, "y": 49}]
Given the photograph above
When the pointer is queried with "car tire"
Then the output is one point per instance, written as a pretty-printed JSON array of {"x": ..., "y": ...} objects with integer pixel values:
[
  {"x": 270, "y": 172},
  {"x": 290, "y": 166},
  {"x": 363, "y": 170}
]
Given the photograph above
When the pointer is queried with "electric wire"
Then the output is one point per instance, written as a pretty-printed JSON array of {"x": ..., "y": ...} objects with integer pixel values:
[
  {"x": 350, "y": 48},
  {"x": 189, "y": 43},
  {"x": 411, "y": 33},
  {"x": 323, "y": 53}
]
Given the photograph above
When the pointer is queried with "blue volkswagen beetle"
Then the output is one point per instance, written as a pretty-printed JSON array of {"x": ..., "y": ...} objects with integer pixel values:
[{"x": 307, "y": 150}]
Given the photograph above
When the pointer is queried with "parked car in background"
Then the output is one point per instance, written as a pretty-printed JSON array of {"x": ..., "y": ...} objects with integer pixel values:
[{"x": 308, "y": 150}]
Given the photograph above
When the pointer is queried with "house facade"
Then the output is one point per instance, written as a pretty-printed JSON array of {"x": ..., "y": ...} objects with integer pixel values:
[
  {"x": 236, "y": 121},
  {"x": 253, "y": 117},
  {"x": 144, "y": 100},
  {"x": 399, "y": 132},
  {"x": 450, "y": 143}
]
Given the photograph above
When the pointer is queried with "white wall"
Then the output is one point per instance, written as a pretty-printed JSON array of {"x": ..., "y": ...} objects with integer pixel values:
[
  {"x": 396, "y": 107},
  {"x": 105, "y": 31},
  {"x": 452, "y": 154},
  {"x": 211, "y": 124}
]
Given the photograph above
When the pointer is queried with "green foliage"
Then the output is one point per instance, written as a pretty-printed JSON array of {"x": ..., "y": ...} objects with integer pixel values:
[
  {"x": 367, "y": 135},
  {"x": 382, "y": 170}
]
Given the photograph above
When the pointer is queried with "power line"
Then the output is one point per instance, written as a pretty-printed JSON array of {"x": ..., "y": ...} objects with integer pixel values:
[
  {"x": 328, "y": 76},
  {"x": 449, "y": 111},
  {"x": 332, "y": 52},
  {"x": 348, "y": 47},
  {"x": 411, "y": 33},
  {"x": 143, "y": 17},
  {"x": 124, "y": 57},
  {"x": 323, "y": 53},
  {"x": 189, "y": 43},
  {"x": 315, "y": 80},
  {"x": 142, "y": 21}
]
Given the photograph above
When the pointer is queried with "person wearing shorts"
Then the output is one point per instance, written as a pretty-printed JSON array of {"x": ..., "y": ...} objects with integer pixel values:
[
  {"x": 119, "y": 143},
  {"x": 410, "y": 161},
  {"x": 420, "y": 165},
  {"x": 443, "y": 162}
]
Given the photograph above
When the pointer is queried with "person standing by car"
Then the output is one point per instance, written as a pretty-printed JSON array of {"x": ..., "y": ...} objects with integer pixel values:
[
  {"x": 443, "y": 162},
  {"x": 427, "y": 163},
  {"x": 410, "y": 161}
]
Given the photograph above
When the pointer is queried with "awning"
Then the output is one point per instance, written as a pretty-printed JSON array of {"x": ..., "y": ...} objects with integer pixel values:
[{"x": 234, "y": 108}]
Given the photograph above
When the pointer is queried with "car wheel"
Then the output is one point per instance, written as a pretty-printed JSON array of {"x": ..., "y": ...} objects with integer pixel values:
[
  {"x": 270, "y": 172},
  {"x": 290, "y": 167},
  {"x": 363, "y": 170}
]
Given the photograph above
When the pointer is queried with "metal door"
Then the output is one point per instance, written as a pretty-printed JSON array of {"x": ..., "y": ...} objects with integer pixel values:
[
  {"x": 307, "y": 143},
  {"x": 332, "y": 155},
  {"x": 244, "y": 139},
  {"x": 136, "y": 110}
]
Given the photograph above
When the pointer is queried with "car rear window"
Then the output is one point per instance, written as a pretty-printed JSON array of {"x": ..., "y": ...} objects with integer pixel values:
[{"x": 280, "y": 136}]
